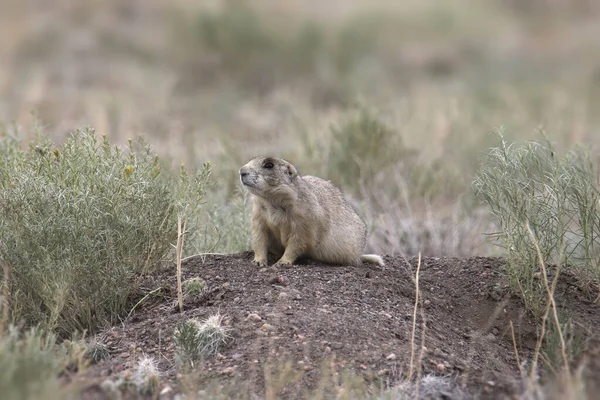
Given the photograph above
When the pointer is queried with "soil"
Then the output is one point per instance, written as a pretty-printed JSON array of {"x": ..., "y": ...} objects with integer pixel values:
[{"x": 345, "y": 319}]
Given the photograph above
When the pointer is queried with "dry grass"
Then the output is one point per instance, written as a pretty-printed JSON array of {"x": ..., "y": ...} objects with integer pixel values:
[
  {"x": 414, "y": 322},
  {"x": 179, "y": 252}
]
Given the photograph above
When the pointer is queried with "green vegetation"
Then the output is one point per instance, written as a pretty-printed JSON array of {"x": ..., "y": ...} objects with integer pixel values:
[
  {"x": 557, "y": 197},
  {"x": 196, "y": 339},
  {"x": 80, "y": 222},
  {"x": 193, "y": 286},
  {"x": 261, "y": 53},
  {"x": 30, "y": 362}
]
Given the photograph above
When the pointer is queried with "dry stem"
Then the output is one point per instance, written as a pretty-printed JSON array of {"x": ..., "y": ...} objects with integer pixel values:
[
  {"x": 180, "y": 237},
  {"x": 512, "y": 331},
  {"x": 5, "y": 296},
  {"x": 550, "y": 306},
  {"x": 414, "y": 324}
]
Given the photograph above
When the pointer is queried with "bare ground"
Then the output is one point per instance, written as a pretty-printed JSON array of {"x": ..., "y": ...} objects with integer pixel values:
[{"x": 359, "y": 319}]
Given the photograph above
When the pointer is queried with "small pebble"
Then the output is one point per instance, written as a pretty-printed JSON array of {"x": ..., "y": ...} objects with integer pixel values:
[
  {"x": 254, "y": 317},
  {"x": 166, "y": 390},
  {"x": 390, "y": 357},
  {"x": 267, "y": 327}
]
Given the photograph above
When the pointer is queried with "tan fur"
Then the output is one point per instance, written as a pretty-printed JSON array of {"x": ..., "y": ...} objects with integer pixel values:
[{"x": 295, "y": 216}]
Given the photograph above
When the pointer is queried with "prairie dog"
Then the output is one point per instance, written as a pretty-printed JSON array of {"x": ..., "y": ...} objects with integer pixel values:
[{"x": 301, "y": 216}]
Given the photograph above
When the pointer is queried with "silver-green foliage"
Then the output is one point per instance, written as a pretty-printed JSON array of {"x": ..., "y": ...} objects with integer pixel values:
[
  {"x": 557, "y": 196},
  {"x": 80, "y": 222},
  {"x": 29, "y": 365}
]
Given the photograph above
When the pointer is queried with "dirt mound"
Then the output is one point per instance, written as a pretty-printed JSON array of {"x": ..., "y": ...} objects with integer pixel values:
[{"x": 359, "y": 319}]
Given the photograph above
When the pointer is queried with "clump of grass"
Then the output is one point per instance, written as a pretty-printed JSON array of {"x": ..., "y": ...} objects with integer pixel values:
[
  {"x": 530, "y": 186},
  {"x": 193, "y": 286},
  {"x": 96, "y": 351},
  {"x": 81, "y": 221},
  {"x": 146, "y": 375},
  {"x": 30, "y": 362},
  {"x": 574, "y": 342},
  {"x": 195, "y": 339},
  {"x": 429, "y": 387}
]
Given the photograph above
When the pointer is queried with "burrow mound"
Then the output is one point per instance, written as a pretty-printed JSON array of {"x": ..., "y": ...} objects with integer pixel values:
[{"x": 358, "y": 319}]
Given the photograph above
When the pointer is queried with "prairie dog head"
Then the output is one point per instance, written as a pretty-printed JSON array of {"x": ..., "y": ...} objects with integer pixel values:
[{"x": 269, "y": 177}]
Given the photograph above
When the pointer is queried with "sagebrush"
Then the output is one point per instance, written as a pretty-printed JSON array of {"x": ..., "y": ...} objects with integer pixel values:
[
  {"x": 530, "y": 184},
  {"x": 80, "y": 222}
]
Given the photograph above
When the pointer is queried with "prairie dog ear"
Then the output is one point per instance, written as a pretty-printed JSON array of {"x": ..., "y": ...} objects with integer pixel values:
[{"x": 291, "y": 170}]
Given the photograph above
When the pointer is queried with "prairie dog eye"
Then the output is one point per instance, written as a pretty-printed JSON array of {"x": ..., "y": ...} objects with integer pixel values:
[{"x": 268, "y": 165}]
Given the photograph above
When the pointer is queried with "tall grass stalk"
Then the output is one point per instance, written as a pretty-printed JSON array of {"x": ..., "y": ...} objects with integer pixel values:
[
  {"x": 5, "y": 303},
  {"x": 180, "y": 236},
  {"x": 551, "y": 303},
  {"x": 414, "y": 323}
]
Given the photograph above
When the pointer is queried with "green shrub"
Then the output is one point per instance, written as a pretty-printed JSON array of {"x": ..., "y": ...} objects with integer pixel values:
[
  {"x": 530, "y": 184},
  {"x": 361, "y": 145},
  {"x": 30, "y": 363},
  {"x": 353, "y": 150},
  {"x": 80, "y": 222},
  {"x": 367, "y": 156}
]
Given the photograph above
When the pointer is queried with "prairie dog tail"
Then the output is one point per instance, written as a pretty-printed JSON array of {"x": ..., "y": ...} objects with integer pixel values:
[{"x": 372, "y": 258}]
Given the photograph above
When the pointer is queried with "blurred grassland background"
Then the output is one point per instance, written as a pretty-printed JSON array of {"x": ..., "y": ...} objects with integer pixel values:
[{"x": 396, "y": 102}]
